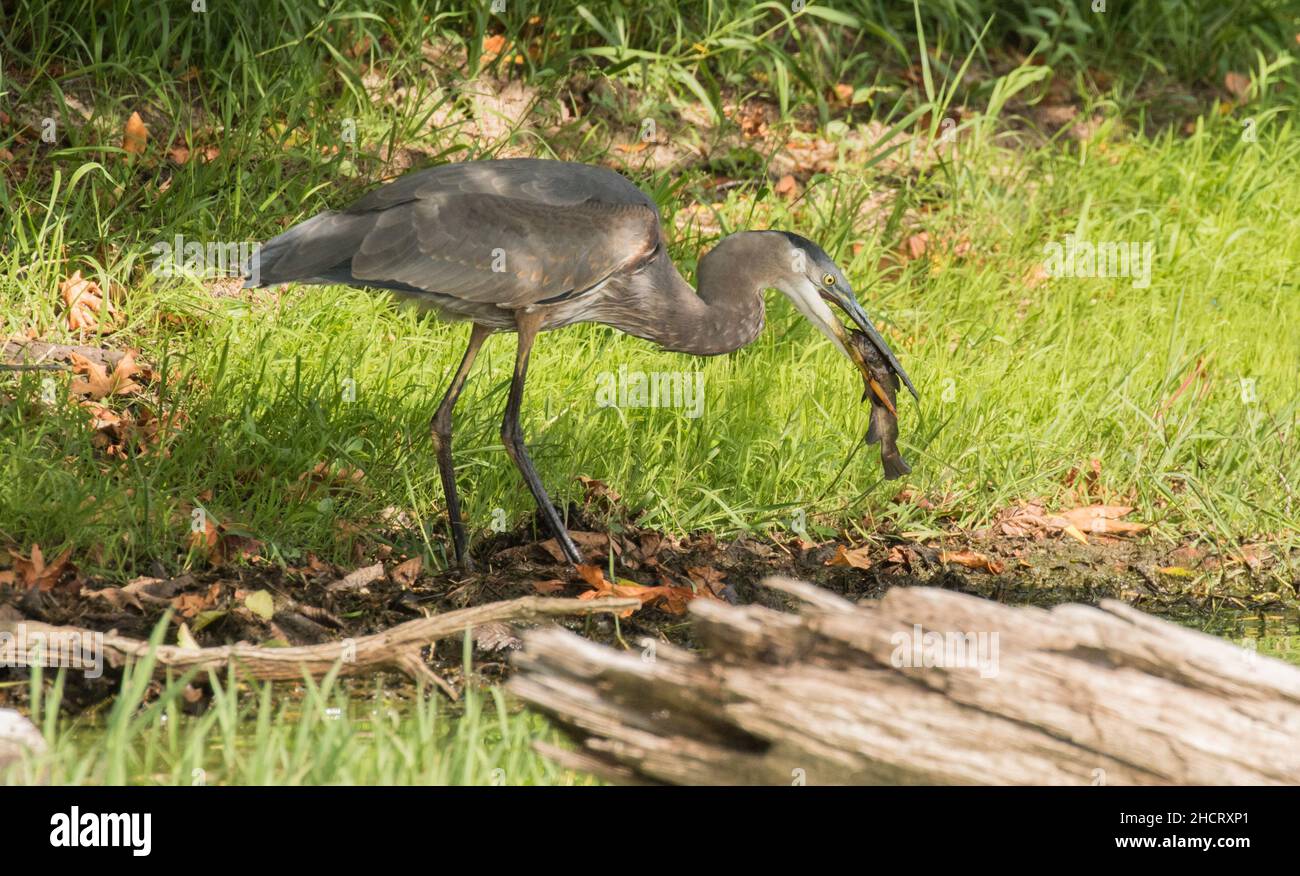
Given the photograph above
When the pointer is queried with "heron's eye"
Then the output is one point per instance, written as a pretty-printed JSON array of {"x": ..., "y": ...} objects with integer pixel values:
[{"x": 828, "y": 280}]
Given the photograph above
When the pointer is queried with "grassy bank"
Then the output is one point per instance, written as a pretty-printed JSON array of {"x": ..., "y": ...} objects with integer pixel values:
[{"x": 1023, "y": 378}]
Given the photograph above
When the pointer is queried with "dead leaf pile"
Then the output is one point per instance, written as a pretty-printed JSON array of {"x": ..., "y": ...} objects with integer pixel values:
[
  {"x": 671, "y": 599},
  {"x": 131, "y": 428}
]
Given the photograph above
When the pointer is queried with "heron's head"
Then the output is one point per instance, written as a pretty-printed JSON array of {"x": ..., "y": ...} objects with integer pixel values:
[{"x": 812, "y": 281}]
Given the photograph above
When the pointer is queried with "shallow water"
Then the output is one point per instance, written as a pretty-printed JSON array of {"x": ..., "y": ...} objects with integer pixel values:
[{"x": 1272, "y": 633}]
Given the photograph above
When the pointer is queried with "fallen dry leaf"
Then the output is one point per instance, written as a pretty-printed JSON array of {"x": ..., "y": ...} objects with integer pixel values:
[
  {"x": 358, "y": 579},
  {"x": 908, "y": 496},
  {"x": 33, "y": 573},
  {"x": 492, "y": 46},
  {"x": 972, "y": 560},
  {"x": 1029, "y": 519},
  {"x": 135, "y": 136},
  {"x": 218, "y": 544},
  {"x": 334, "y": 478},
  {"x": 1237, "y": 84},
  {"x": 915, "y": 246},
  {"x": 136, "y": 592},
  {"x": 598, "y": 490},
  {"x": 86, "y": 303},
  {"x": 1103, "y": 519},
  {"x": 405, "y": 574},
  {"x": 204, "y": 540},
  {"x": 708, "y": 578},
  {"x": 182, "y": 154},
  {"x": 189, "y": 605},
  {"x": 857, "y": 558},
  {"x": 899, "y": 555},
  {"x": 98, "y": 383},
  {"x": 786, "y": 187},
  {"x": 1036, "y": 276},
  {"x": 546, "y": 588}
]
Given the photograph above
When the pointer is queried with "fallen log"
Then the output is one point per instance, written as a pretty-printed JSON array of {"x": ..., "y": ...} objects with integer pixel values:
[
  {"x": 925, "y": 686},
  {"x": 26, "y": 643}
]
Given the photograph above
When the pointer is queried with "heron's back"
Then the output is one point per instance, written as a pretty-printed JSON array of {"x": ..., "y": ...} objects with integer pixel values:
[{"x": 495, "y": 234}]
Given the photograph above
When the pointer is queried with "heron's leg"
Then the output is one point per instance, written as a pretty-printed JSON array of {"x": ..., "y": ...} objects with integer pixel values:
[
  {"x": 440, "y": 429},
  {"x": 512, "y": 436}
]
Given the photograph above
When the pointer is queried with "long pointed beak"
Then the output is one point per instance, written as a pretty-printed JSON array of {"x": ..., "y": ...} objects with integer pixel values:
[{"x": 849, "y": 305}]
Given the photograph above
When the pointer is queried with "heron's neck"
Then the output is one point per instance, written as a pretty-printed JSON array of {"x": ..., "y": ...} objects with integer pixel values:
[{"x": 727, "y": 311}]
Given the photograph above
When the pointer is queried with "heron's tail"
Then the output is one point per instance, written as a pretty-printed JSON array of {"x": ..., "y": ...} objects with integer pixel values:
[{"x": 309, "y": 250}]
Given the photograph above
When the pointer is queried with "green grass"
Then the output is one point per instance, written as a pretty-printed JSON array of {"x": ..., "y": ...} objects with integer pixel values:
[
  {"x": 1021, "y": 382},
  {"x": 314, "y": 733}
]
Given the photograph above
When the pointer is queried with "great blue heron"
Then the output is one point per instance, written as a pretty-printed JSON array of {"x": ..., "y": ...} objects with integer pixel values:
[{"x": 528, "y": 245}]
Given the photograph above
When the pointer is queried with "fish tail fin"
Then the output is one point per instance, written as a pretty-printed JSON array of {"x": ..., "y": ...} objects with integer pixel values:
[{"x": 895, "y": 465}]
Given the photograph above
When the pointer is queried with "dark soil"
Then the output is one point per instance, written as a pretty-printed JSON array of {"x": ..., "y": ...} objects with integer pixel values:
[{"x": 1165, "y": 579}]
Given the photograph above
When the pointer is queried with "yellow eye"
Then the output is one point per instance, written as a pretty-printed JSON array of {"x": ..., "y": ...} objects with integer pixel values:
[{"x": 828, "y": 280}]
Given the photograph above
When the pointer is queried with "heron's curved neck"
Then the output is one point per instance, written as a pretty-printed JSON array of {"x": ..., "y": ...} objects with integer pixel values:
[{"x": 727, "y": 311}]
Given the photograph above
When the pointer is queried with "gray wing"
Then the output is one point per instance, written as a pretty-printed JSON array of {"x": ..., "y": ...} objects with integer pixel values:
[{"x": 511, "y": 232}]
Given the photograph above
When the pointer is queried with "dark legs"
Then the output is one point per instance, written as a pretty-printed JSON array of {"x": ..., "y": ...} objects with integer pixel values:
[
  {"x": 440, "y": 428},
  {"x": 512, "y": 436}
]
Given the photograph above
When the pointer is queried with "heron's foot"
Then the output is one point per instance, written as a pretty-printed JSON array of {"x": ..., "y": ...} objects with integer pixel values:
[{"x": 461, "y": 542}]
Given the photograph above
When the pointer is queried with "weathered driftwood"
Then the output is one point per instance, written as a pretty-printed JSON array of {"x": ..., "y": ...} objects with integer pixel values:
[
  {"x": 1075, "y": 695},
  {"x": 397, "y": 648}
]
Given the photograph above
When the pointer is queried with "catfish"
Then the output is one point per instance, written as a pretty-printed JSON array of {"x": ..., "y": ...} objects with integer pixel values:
[{"x": 881, "y": 386}]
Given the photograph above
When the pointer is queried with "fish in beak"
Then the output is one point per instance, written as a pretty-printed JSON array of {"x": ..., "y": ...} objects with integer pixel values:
[
  {"x": 881, "y": 374},
  {"x": 882, "y": 388},
  {"x": 843, "y": 297}
]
